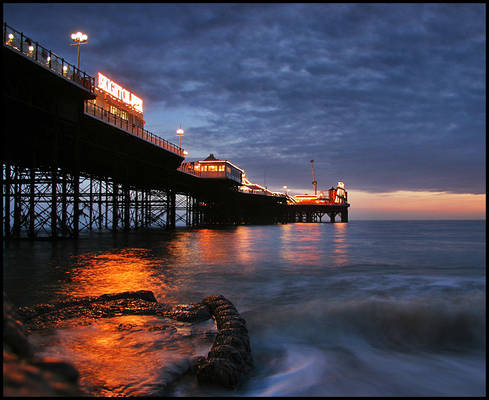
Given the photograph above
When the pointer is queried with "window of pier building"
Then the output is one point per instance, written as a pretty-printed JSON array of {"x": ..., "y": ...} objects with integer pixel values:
[
  {"x": 218, "y": 169},
  {"x": 115, "y": 107},
  {"x": 120, "y": 113}
]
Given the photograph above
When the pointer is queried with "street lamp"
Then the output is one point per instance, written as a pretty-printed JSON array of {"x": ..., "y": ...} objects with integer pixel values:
[
  {"x": 180, "y": 134},
  {"x": 285, "y": 190},
  {"x": 78, "y": 38}
]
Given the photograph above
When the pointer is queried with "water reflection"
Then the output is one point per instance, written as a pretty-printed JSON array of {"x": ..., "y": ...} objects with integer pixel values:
[
  {"x": 253, "y": 248},
  {"x": 300, "y": 243},
  {"x": 209, "y": 246},
  {"x": 97, "y": 273},
  {"x": 340, "y": 247},
  {"x": 130, "y": 355}
]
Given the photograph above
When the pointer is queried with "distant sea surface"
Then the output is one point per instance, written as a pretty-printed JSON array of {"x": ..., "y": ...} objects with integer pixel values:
[{"x": 365, "y": 308}]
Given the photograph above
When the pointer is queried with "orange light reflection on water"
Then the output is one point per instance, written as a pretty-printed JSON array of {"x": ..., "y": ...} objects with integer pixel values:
[
  {"x": 127, "y": 356},
  {"x": 300, "y": 243},
  {"x": 314, "y": 244},
  {"x": 217, "y": 248},
  {"x": 116, "y": 271},
  {"x": 213, "y": 246},
  {"x": 340, "y": 247},
  {"x": 250, "y": 247}
]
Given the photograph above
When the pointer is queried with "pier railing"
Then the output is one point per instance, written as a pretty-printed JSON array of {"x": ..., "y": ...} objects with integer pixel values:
[
  {"x": 114, "y": 120},
  {"x": 33, "y": 50}
]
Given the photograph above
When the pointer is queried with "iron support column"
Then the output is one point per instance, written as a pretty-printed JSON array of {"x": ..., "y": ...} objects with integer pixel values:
[
  {"x": 32, "y": 211},
  {"x": 54, "y": 203},
  {"x": 63, "y": 204},
  {"x": 127, "y": 204},
  {"x": 115, "y": 194},
  {"x": 6, "y": 209},
  {"x": 76, "y": 203}
]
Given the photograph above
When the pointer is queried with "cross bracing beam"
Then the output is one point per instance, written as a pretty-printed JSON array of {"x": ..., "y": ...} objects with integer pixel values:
[{"x": 51, "y": 203}]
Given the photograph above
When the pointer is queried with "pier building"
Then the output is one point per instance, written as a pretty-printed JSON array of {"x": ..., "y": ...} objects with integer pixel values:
[
  {"x": 313, "y": 207},
  {"x": 336, "y": 196},
  {"x": 211, "y": 167},
  {"x": 113, "y": 99}
]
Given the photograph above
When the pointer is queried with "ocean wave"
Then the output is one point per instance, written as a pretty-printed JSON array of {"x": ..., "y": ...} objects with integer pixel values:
[
  {"x": 421, "y": 324},
  {"x": 297, "y": 369},
  {"x": 416, "y": 324}
]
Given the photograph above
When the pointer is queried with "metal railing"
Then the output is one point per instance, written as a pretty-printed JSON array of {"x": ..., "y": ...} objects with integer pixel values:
[
  {"x": 18, "y": 41},
  {"x": 114, "y": 120}
]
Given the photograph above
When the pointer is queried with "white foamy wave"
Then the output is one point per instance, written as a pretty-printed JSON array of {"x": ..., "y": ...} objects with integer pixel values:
[{"x": 301, "y": 368}]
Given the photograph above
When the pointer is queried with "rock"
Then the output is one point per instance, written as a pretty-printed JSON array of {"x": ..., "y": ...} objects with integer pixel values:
[
  {"x": 229, "y": 359},
  {"x": 145, "y": 295},
  {"x": 24, "y": 374},
  {"x": 196, "y": 362},
  {"x": 195, "y": 312},
  {"x": 21, "y": 377},
  {"x": 58, "y": 366},
  {"x": 219, "y": 371},
  {"x": 14, "y": 335}
]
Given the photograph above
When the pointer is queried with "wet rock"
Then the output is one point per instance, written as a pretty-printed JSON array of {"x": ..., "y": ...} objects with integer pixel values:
[
  {"x": 22, "y": 377},
  {"x": 14, "y": 334},
  {"x": 145, "y": 295},
  {"x": 60, "y": 367},
  {"x": 145, "y": 299},
  {"x": 229, "y": 359},
  {"x": 24, "y": 374},
  {"x": 140, "y": 302},
  {"x": 195, "y": 312},
  {"x": 196, "y": 363},
  {"x": 219, "y": 371}
]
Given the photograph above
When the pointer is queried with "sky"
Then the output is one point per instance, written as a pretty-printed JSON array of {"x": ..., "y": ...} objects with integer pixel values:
[{"x": 388, "y": 98}]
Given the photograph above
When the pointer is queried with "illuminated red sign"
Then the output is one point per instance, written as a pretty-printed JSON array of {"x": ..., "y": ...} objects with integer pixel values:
[{"x": 119, "y": 92}]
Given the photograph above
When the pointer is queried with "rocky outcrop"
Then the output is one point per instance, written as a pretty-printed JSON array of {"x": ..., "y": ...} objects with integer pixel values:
[
  {"x": 227, "y": 363},
  {"x": 24, "y": 373},
  {"x": 229, "y": 359},
  {"x": 141, "y": 302}
]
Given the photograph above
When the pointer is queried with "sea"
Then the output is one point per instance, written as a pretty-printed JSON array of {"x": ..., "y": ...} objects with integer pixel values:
[{"x": 365, "y": 308}]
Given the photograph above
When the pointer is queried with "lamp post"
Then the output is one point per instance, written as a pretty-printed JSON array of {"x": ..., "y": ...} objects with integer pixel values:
[
  {"x": 285, "y": 190},
  {"x": 180, "y": 134},
  {"x": 78, "y": 38}
]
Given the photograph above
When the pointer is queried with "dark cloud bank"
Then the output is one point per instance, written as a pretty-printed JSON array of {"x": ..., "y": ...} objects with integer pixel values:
[{"x": 385, "y": 97}]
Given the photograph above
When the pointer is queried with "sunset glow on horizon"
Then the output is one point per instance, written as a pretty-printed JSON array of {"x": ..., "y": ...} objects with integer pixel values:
[
  {"x": 403, "y": 204},
  {"x": 407, "y": 204}
]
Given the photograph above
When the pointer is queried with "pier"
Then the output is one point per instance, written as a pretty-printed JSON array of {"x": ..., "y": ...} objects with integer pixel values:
[{"x": 69, "y": 166}]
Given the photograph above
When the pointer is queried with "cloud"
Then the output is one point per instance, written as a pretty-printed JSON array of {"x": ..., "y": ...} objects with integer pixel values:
[{"x": 383, "y": 96}]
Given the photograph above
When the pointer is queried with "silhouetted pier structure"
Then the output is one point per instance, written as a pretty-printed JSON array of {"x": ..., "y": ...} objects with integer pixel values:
[
  {"x": 316, "y": 212},
  {"x": 68, "y": 166}
]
